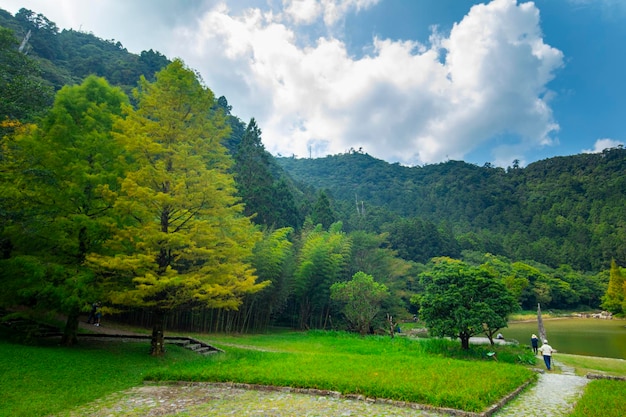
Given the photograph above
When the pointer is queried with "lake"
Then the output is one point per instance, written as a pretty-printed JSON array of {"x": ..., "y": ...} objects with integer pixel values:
[{"x": 578, "y": 336}]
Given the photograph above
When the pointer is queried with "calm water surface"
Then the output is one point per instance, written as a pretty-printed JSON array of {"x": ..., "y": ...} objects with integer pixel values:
[{"x": 590, "y": 337}]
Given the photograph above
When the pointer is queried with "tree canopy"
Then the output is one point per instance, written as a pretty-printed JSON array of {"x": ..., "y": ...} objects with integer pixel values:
[
  {"x": 362, "y": 297},
  {"x": 461, "y": 301}
]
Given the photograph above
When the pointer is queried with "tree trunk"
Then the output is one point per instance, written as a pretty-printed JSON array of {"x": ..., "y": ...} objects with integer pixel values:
[
  {"x": 541, "y": 329},
  {"x": 464, "y": 341},
  {"x": 71, "y": 328},
  {"x": 157, "y": 344}
]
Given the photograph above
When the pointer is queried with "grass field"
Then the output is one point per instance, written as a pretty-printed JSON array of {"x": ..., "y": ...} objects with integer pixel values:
[
  {"x": 602, "y": 398},
  {"x": 591, "y": 364},
  {"x": 400, "y": 369},
  {"x": 44, "y": 379}
]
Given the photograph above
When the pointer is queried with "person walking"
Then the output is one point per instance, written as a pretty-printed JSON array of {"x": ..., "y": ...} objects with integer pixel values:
[
  {"x": 98, "y": 314},
  {"x": 547, "y": 351},
  {"x": 92, "y": 314},
  {"x": 534, "y": 342}
]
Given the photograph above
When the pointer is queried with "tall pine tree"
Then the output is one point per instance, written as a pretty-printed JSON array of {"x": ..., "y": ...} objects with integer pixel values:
[{"x": 184, "y": 242}]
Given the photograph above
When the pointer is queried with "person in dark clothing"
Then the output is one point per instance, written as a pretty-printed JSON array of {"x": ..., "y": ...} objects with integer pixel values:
[
  {"x": 98, "y": 314},
  {"x": 92, "y": 313},
  {"x": 534, "y": 342}
]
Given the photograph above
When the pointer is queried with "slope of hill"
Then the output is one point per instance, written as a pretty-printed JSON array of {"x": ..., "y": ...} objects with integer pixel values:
[{"x": 560, "y": 210}]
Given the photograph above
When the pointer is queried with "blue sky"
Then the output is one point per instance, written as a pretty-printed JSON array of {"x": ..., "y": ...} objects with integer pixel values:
[{"x": 409, "y": 81}]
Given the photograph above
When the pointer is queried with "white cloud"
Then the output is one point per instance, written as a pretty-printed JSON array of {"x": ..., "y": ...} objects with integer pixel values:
[
  {"x": 405, "y": 101},
  {"x": 602, "y": 144},
  {"x": 302, "y": 11}
]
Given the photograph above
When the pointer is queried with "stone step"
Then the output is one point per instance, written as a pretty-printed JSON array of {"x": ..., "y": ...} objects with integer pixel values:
[
  {"x": 203, "y": 349},
  {"x": 194, "y": 346},
  {"x": 181, "y": 342}
]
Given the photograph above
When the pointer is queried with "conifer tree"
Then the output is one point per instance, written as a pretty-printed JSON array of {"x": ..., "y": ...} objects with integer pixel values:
[
  {"x": 185, "y": 242},
  {"x": 615, "y": 293},
  {"x": 59, "y": 184}
]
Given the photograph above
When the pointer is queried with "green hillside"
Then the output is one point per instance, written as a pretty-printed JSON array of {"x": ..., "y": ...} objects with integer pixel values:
[{"x": 563, "y": 210}]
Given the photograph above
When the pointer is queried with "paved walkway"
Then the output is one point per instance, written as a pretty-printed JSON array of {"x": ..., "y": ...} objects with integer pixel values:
[{"x": 553, "y": 396}]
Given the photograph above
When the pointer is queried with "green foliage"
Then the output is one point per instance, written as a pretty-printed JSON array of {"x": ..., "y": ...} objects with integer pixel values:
[
  {"x": 182, "y": 239},
  {"x": 362, "y": 297},
  {"x": 419, "y": 240},
  {"x": 564, "y": 210},
  {"x": 267, "y": 200},
  {"x": 273, "y": 262},
  {"x": 24, "y": 93},
  {"x": 59, "y": 181},
  {"x": 321, "y": 262},
  {"x": 463, "y": 301},
  {"x": 322, "y": 211},
  {"x": 615, "y": 297},
  {"x": 69, "y": 56}
]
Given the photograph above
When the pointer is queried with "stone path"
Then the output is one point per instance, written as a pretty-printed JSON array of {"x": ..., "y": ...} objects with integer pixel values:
[{"x": 554, "y": 395}]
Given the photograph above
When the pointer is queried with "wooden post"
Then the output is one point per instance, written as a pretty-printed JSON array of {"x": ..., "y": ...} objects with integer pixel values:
[
  {"x": 541, "y": 329},
  {"x": 391, "y": 327}
]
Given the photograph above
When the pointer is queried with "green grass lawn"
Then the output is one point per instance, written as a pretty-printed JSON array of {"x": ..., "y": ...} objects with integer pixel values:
[
  {"x": 46, "y": 379},
  {"x": 592, "y": 364},
  {"x": 602, "y": 398}
]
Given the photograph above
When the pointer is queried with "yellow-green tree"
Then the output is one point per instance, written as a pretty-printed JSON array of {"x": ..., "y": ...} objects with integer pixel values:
[
  {"x": 184, "y": 242},
  {"x": 615, "y": 295}
]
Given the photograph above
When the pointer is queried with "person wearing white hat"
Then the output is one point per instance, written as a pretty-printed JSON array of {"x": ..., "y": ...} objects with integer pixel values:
[
  {"x": 534, "y": 342},
  {"x": 547, "y": 351}
]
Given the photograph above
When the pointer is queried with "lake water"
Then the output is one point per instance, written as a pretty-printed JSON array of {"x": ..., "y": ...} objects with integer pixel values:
[{"x": 589, "y": 337}]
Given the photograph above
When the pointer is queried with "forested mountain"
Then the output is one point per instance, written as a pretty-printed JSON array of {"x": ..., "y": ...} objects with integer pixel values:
[
  {"x": 68, "y": 56},
  {"x": 563, "y": 210}
]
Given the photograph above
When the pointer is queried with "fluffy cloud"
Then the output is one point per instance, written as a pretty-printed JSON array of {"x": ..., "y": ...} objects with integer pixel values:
[
  {"x": 405, "y": 101},
  {"x": 602, "y": 144},
  {"x": 482, "y": 84}
]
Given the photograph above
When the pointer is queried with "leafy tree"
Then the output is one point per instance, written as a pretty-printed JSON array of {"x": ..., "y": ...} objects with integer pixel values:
[
  {"x": 371, "y": 255},
  {"x": 184, "y": 242},
  {"x": 462, "y": 301},
  {"x": 44, "y": 32},
  {"x": 615, "y": 295},
  {"x": 322, "y": 211},
  {"x": 61, "y": 180},
  {"x": 362, "y": 297}
]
